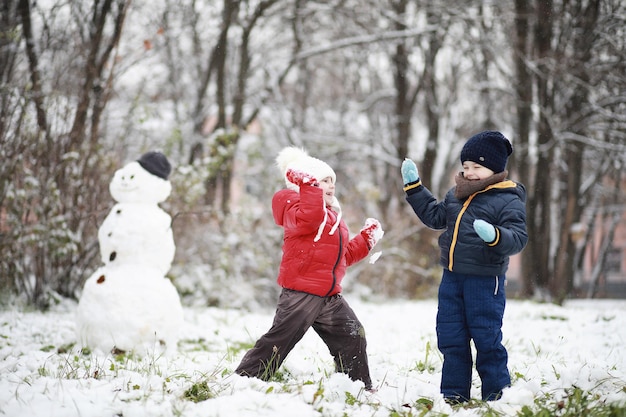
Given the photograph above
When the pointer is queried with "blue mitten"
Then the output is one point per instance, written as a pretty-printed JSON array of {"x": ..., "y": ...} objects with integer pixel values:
[
  {"x": 485, "y": 230},
  {"x": 409, "y": 171}
]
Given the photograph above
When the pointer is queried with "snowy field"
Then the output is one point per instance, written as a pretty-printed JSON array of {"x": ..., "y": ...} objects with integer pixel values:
[{"x": 552, "y": 351}]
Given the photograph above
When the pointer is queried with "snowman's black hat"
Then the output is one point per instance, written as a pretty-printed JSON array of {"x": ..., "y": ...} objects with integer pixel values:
[{"x": 155, "y": 163}]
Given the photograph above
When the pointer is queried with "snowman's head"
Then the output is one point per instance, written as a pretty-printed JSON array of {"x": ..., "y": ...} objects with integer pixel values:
[{"x": 140, "y": 182}]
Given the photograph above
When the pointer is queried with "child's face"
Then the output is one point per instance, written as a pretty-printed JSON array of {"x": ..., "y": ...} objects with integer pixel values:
[
  {"x": 328, "y": 187},
  {"x": 474, "y": 171}
]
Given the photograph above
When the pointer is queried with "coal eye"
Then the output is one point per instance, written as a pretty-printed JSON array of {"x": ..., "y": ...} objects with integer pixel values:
[{"x": 132, "y": 177}]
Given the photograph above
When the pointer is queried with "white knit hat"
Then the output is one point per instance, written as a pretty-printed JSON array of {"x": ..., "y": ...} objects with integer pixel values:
[{"x": 298, "y": 159}]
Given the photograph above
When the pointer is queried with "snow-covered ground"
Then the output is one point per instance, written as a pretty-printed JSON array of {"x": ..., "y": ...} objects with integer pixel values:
[{"x": 552, "y": 349}]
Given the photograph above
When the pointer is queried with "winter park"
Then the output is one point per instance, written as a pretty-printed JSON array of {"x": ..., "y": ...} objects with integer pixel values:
[{"x": 322, "y": 208}]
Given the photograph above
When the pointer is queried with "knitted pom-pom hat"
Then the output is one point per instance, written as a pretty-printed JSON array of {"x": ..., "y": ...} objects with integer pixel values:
[
  {"x": 490, "y": 149},
  {"x": 298, "y": 159}
]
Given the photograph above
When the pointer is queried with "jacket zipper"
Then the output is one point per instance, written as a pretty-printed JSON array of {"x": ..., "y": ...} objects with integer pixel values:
[
  {"x": 336, "y": 263},
  {"x": 455, "y": 234}
]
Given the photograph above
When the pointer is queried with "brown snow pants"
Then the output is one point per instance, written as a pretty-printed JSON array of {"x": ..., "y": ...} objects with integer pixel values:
[{"x": 331, "y": 318}]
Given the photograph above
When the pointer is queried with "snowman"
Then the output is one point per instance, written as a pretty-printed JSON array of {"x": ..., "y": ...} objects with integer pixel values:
[{"x": 128, "y": 304}]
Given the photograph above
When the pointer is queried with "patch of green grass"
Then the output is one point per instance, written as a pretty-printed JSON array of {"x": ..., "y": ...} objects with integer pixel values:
[
  {"x": 206, "y": 386},
  {"x": 426, "y": 365},
  {"x": 195, "y": 345},
  {"x": 554, "y": 317},
  {"x": 351, "y": 399},
  {"x": 575, "y": 403},
  {"x": 200, "y": 391},
  {"x": 318, "y": 396},
  {"x": 237, "y": 347},
  {"x": 67, "y": 348},
  {"x": 419, "y": 408}
]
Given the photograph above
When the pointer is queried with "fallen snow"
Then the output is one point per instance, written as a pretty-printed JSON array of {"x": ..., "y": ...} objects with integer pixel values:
[{"x": 551, "y": 349}]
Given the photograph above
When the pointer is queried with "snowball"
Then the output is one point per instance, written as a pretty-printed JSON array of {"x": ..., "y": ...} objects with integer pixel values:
[{"x": 375, "y": 256}]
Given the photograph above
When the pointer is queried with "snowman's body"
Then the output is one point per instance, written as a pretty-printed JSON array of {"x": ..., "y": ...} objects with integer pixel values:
[
  {"x": 137, "y": 234},
  {"x": 128, "y": 304}
]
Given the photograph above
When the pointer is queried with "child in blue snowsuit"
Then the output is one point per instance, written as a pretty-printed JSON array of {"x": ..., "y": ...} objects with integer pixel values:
[{"x": 483, "y": 220}]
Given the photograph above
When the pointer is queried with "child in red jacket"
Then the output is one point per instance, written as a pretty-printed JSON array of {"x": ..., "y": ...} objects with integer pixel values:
[{"x": 317, "y": 249}]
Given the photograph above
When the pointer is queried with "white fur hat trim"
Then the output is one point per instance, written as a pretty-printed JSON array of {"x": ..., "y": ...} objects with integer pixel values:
[{"x": 298, "y": 159}]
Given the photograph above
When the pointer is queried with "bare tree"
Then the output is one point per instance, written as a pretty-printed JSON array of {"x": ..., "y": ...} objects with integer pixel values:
[
  {"x": 568, "y": 73},
  {"x": 583, "y": 34},
  {"x": 361, "y": 83},
  {"x": 524, "y": 96},
  {"x": 48, "y": 216}
]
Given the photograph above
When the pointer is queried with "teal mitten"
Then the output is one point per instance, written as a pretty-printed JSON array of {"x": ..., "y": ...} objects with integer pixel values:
[
  {"x": 485, "y": 230},
  {"x": 409, "y": 171}
]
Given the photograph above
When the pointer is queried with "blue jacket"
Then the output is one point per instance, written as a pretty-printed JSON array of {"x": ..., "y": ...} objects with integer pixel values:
[{"x": 462, "y": 250}]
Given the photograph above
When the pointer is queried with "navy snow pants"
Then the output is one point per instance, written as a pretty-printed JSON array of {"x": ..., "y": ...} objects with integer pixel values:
[
  {"x": 331, "y": 318},
  {"x": 471, "y": 308}
]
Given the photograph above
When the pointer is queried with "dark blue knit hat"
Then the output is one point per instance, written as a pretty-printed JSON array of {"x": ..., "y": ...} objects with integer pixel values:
[
  {"x": 489, "y": 149},
  {"x": 155, "y": 163}
]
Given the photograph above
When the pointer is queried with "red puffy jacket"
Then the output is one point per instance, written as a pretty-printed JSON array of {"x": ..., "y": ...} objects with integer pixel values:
[{"x": 308, "y": 266}]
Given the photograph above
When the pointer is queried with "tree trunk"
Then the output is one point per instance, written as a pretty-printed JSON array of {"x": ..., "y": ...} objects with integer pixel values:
[
  {"x": 523, "y": 92},
  {"x": 537, "y": 254},
  {"x": 583, "y": 33},
  {"x": 561, "y": 283},
  {"x": 402, "y": 112},
  {"x": 33, "y": 62},
  {"x": 432, "y": 106}
]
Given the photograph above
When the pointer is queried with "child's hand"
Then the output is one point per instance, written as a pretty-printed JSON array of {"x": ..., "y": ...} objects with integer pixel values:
[
  {"x": 299, "y": 178},
  {"x": 485, "y": 230},
  {"x": 372, "y": 232},
  {"x": 409, "y": 171}
]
